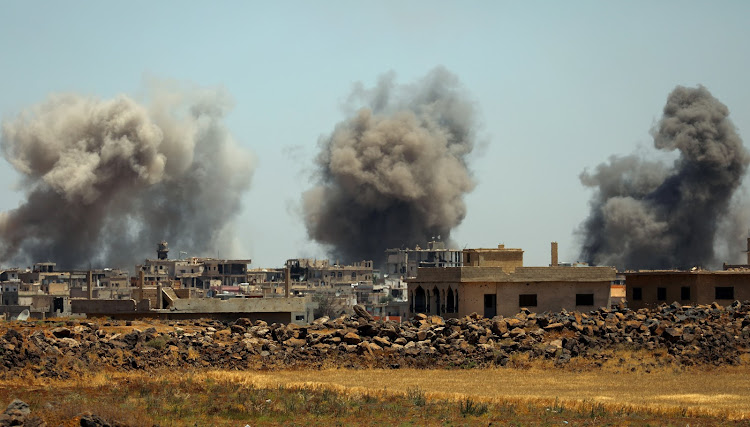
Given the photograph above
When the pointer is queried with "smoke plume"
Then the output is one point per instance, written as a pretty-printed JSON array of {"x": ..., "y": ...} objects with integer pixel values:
[
  {"x": 106, "y": 180},
  {"x": 648, "y": 215},
  {"x": 394, "y": 173}
]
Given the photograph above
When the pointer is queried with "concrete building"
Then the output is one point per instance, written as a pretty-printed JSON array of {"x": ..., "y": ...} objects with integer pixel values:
[
  {"x": 405, "y": 262},
  {"x": 494, "y": 282},
  {"x": 651, "y": 288},
  {"x": 506, "y": 258},
  {"x": 194, "y": 272},
  {"x": 281, "y": 310},
  {"x": 165, "y": 302},
  {"x": 323, "y": 273}
]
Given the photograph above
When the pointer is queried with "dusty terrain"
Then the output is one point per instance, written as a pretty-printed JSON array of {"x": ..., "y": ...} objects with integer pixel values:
[{"x": 669, "y": 362}]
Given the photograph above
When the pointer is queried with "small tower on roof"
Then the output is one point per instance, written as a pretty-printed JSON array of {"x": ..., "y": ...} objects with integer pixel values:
[{"x": 162, "y": 250}]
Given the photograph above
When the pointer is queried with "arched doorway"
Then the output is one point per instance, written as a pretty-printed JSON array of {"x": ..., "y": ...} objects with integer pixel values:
[
  {"x": 450, "y": 304},
  {"x": 437, "y": 300},
  {"x": 420, "y": 301}
]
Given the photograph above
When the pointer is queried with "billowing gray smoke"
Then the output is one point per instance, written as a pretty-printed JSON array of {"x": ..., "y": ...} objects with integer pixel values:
[
  {"x": 106, "y": 180},
  {"x": 647, "y": 215},
  {"x": 395, "y": 172}
]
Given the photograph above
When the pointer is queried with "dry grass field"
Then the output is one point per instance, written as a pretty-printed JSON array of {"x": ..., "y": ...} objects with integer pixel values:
[
  {"x": 723, "y": 392},
  {"x": 537, "y": 395}
]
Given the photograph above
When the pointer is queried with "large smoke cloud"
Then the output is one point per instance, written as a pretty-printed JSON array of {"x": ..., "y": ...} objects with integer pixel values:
[
  {"x": 649, "y": 215},
  {"x": 395, "y": 172},
  {"x": 106, "y": 180}
]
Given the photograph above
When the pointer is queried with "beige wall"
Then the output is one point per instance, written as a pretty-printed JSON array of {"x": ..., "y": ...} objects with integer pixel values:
[
  {"x": 550, "y": 296},
  {"x": 702, "y": 287},
  {"x": 508, "y": 259}
]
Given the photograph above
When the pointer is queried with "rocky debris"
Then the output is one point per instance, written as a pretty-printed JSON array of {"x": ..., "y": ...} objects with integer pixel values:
[
  {"x": 361, "y": 312},
  {"x": 92, "y": 420},
  {"x": 683, "y": 335},
  {"x": 18, "y": 413}
]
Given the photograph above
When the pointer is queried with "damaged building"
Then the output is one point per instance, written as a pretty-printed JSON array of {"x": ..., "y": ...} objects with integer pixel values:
[
  {"x": 649, "y": 288},
  {"x": 494, "y": 282},
  {"x": 405, "y": 262},
  {"x": 200, "y": 274},
  {"x": 165, "y": 302}
]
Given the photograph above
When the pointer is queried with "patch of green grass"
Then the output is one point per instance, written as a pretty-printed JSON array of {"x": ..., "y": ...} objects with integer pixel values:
[
  {"x": 416, "y": 396},
  {"x": 470, "y": 407},
  {"x": 158, "y": 343}
]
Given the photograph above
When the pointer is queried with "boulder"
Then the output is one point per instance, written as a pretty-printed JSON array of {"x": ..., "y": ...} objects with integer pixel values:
[
  {"x": 499, "y": 327},
  {"x": 61, "y": 332},
  {"x": 361, "y": 312},
  {"x": 352, "y": 339}
]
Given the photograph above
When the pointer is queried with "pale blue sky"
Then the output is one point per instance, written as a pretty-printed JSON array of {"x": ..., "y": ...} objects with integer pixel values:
[{"x": 559, "y": 86}]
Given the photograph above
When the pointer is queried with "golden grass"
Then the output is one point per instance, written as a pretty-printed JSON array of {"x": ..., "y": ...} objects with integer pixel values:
[
  {"x": 721, "y": 392},
  {"x": 667, "y": 394}
]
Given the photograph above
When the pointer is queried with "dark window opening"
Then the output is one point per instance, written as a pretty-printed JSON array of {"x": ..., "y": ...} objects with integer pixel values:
[
  {"x": 724, "y": 292},
  {"x": 527, "y": 300},
  {"x": 637, "y": 294},
  {"x": 685, "y": 293},
  {"x": 661, "y": 294},
  {"x": 490, "y": 305},
  {"x": 450, "y": 302},
  {"x": 584, "y": 299},
  {"x": 420, "y": 300}
]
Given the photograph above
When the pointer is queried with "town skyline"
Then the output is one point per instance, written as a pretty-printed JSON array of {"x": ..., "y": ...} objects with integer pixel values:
[{"x": 545, "y": 113}]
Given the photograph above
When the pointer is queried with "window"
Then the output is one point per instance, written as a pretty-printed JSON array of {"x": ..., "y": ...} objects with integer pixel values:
[
  {"x": 299, "y": 317},
  {"x": 661, "y": 294},
  {"x": 527, "y": 300},
  {"x": 584, "y": 299},
  {"x": 637, "y": 294},
  {"x": 724, "y": 292},
  {"x": 685, "y": 293}
]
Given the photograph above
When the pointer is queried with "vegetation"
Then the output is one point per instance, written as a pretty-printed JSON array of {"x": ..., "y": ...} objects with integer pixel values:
[
  {"x": 157, "y": 343},
  {"x": 287, "y": 397}
]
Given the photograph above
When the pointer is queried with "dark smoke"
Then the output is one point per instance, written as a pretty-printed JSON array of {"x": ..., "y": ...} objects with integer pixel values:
[
  {"x": 647, "y": 215},
  {"x": 394, "y": 174},
  {"x": 106, "y": 180}
]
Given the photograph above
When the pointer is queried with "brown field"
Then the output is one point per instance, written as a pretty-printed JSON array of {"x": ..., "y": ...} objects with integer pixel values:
[
  {"x": 723, "y": 392},
  {"x": 536, "y": 395}
]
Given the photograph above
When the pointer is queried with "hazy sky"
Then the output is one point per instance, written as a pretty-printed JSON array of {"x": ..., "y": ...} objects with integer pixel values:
[{"x": 559, "y": 87}]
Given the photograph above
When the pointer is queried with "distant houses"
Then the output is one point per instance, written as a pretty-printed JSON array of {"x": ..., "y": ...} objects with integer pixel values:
[{"x": 432, "y": 280}]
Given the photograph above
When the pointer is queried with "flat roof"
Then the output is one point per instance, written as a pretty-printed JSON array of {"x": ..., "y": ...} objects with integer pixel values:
[{"x": 684, "y": 272}]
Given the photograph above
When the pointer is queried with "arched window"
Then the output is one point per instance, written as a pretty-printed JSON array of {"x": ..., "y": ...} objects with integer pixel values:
[{"x": 450, "y": 303}]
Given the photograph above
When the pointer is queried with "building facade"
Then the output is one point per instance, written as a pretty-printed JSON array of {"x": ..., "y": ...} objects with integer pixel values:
[
  {"x": 405, "y": 262},
  {"x": 651, "y": 288},
  {"x": 491, "y": 291}
]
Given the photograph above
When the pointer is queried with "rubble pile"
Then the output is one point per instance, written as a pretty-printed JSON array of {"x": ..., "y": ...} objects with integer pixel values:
[
  {"x": 708, "y": 334},
  {"x": 18, "y": 413}
]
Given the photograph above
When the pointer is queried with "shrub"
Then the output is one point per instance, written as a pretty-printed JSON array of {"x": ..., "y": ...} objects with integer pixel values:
[
  {"x": 469, "y": 407},
  {"x": 416, "y": 395},
  {"x": 157, "y": 343}
]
